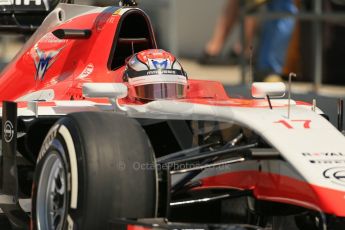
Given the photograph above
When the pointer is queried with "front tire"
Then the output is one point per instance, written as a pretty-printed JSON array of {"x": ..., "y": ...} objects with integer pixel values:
[{"x": 93, "y": 167}]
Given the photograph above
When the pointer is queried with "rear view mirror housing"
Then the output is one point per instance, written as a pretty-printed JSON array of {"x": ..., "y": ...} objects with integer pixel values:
[
  {"x": 264, "y": 89},
  {"x": 107, "y": 90}
]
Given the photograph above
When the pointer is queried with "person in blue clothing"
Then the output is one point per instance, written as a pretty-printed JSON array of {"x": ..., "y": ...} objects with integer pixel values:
[{"x": 274, "y": 41}]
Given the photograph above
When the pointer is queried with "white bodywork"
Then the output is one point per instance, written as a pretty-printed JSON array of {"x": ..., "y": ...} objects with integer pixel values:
[
  {"x": 305, "y": 132},
  {"x": 264, "y": 89}
]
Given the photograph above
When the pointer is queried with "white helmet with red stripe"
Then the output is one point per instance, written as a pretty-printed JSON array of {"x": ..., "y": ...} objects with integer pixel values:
[{"x": 156, "y": 74}]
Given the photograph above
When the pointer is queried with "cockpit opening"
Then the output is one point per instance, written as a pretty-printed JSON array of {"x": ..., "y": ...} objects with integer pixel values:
[{"x": 133, "y": 35}]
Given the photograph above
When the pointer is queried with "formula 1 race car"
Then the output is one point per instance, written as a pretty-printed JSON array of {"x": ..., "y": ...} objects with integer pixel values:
[{"x": 103, "y": 130}]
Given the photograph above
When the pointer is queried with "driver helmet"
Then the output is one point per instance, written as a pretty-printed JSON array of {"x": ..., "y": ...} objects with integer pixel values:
[{"x": 156, "y": 74}]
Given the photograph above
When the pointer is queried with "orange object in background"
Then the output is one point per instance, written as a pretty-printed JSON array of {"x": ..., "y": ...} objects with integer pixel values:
[{"x": 293, "y": 57}]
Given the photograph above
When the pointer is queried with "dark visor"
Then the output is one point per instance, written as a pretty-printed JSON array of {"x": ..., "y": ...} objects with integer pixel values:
[{"x": 161, "y": 91}]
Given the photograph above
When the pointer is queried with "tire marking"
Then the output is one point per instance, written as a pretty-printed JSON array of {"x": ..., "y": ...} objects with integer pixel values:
[
  {"x": 47, "y": 142},
  {"x": 74, "y": 167},
  {"x": 70, "y": 223}
]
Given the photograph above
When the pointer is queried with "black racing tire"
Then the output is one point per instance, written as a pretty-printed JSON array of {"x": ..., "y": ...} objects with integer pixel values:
[{"x": 88, "y": 173}]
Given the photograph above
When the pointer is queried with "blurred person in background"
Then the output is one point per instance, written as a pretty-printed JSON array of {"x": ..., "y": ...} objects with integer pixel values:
[
  {"x": 274, "y": 41},
  {"x": 225, "y": 23}
]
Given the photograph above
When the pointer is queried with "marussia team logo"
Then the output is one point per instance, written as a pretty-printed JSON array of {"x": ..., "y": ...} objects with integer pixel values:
[
  {"x": 43, "y": 61},
  {"x": 160, "y": 65}
]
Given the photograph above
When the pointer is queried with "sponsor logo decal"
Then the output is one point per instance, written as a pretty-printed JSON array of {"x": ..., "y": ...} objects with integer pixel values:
[
  {"x": 339, "y": 161},
  {"x": 43, "y": 61},
  {"x": 336, "y": 175},
  {"x": 51, "y": 39},
  {"x": 323, "y": 154},
  {"x": 8, "y": 131},
  {"x": 117, "y": 12},
  {"x": 120, "y": 11},
  {"x": 157, "y": 72},
  {"x": 325, "y": 157},
  {"x": 86, "y": 72}
]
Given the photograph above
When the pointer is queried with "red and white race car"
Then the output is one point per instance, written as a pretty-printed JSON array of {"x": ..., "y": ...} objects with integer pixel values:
[{"x": 100, "y": 129}]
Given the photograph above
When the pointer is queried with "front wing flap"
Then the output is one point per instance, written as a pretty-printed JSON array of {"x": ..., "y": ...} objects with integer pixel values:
[{"x": 163, "y": 224}]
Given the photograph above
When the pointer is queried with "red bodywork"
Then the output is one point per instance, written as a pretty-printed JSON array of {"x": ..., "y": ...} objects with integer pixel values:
[{"x": 89, "y": 60}]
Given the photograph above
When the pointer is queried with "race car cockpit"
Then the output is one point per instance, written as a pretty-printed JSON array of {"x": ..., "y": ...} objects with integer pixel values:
[{"x": 134, "y": 34}]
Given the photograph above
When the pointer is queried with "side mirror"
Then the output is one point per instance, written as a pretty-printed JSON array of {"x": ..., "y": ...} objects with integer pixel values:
[
  {"x": 108, "y": 90},
  {"x": 264, "y": 89}
]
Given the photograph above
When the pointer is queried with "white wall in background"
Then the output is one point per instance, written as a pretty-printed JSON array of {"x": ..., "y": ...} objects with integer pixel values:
[{"x": 184, "y": 26}]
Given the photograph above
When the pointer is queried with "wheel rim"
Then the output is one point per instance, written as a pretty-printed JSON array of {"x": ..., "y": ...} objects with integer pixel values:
[{"x": 51, "y": 202}]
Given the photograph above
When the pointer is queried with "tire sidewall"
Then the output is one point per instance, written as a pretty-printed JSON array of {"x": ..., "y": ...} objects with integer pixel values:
[
  {"x": 87, "y": 134},
  {"x": 55, "y": 143}
]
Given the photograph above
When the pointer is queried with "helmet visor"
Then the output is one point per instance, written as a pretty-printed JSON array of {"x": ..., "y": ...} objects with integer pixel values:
[{"x": 161, "y": 91}]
